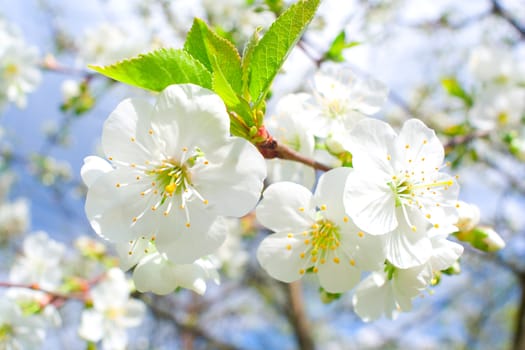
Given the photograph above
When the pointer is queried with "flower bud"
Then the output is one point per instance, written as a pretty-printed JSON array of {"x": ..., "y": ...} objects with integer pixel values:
[{"x": 487, "y": 239}]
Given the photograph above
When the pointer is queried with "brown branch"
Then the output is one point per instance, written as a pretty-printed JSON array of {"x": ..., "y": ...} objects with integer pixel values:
[
  {"x": 498, "y": 10},
  {"x": 519, "y": 328},
  {"x": 185, "y": 327},
  {"x": 82, "y": 296},
  {"x": 272, "y": 149},
  {"x": 298, "y": 318}
]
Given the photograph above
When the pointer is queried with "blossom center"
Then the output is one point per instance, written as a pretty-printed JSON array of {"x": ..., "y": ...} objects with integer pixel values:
[
  {"x": 11, "y": 70},
  {"x": 172, "y": 177},
  {"x": 6, "y": 330}
]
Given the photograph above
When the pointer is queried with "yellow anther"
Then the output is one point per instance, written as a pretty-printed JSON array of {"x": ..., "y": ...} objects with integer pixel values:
[
  {"x": 130, "y": 253},
  {"x": 323, "y": 207},
  {"x": 301, "y": 271},
  {"x": 301, "y": 255},
  {"x": 289, "y": 247},
  {"x": 153, "y": 208},
  {"x": 423, "y": 159},
  {"x": 315, "y": 226},
  {"x": 306, "y": 241},
  {"x": 407, "y": 146},
  {"x": 360, "y": 234},
  {"x": 206, "y": 162},
  {"x": 301, "y": 209},
  {"x": 184, "y": 149},
  {"x": 166, "y": 213},
  {"x": 425, "y": 141},
  {"x": 170, "y": 188},
  {"x": 138, "y": 177},
  {"x": 205, "y": 202},
  {"x": 414, "y": 228},
  {"x": 428, "y": 216},
  {"x": 436, "y": 225},
  {"x": 352, "y": 262},
  {"x": 133, "y": 165},
  {"x": 110, "y": 158},
  {"x": 315, "y": 270},
  {"x": 314, "y": 252},
  {"x": 345, "y": 219},
  {"x": 290, "y": 235},
  {"x": 188, "y": 225},
  {"x": 150, "y": 132},
  {"x": 153, "y": 183},
  {"x": 323, "y": 261},
  {"x": 155, "y": 192},
  {"x": 457, "y": 205},
  {"x": 118, "y": 185},
  {"x": 134, "y": 219},
  {"x": 314, "y": 259},
  {"x": 336, "y": 260},
  {"x": 132, "y": 139},
  {"x": 388, "y": 157}
]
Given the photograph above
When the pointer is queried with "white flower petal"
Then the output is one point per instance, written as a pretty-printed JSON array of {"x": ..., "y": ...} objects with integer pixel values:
[
  {"x": 91, "y": 325},
  {"x": 112, "y": 202},
  {"x": 286, "y": 206},
  {"x": 422, "y": 142},
  {"x": 444, "y": 254},
  {"x": 373, "y": 297},
  {"x": 279, "y": 255},
  {"x": 232, "y": 181},
  {"x": 329, "y": 192},
  {"x": 160, "y": 276},
  {"x": 338, "y": 277},
  {"x": 371, "y": 141},
  {"x": 190, "y": 116},
  {"x": 184, "y": 245},
  {"x": 94, "y": 167},
  {"x": 125, "y": 135},
  {"x": 370, "y": 203}
]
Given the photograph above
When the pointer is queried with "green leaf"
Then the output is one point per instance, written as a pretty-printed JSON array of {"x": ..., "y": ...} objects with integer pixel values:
[
  {"x": 158, "y": 69},
  {"x": 275, "y": 46},
  {"x": 207, "y": 46},
  {"x": 276, "y": 6},
  {"x": 454, "y": 88},
  {"x": 335, "y": 52},
  {"x": 246, "y": 60}
]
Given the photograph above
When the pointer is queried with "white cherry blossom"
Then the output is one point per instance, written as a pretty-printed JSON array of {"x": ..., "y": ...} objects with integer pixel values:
[
  {"x": 398, "y": 172},
  {"x": 341, "y": 99},
  {"x": 313, "y": 232},
  {"x": 112, "y": 313},
  {"x": 392, "y": 290},
  {"x": 19, "y": 72},
  {"x": 174, "y": 168},
  {"x": 40, "y": 263},
  {"x": 19, "y": 331}
]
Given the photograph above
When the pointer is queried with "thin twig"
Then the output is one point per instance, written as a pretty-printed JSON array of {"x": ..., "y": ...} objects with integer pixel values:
[
  {"x": 298, "y": 318},
  {"x": 498, "y": 10}
]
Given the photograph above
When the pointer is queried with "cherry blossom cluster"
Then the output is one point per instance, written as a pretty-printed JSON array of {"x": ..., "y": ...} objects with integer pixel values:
[
  {"x": 386, "y": 214},
  {"x": 44, "y": 276}
]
